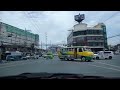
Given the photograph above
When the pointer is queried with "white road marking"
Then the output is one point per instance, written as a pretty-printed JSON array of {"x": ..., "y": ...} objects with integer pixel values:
[
  {"x": 109, "y": 64},
  {"x": 104, "y": 67}
]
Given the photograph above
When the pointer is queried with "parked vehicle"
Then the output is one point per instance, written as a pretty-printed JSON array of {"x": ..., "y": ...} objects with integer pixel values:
[
  {"x": 24, "y": 58},
  {"x": 103, "y": 55},
  {"x": 36, "y": 56},
  {"x": 55, "y": 54},
  {"x": 28, "y": 56},
  {"x": 40, "y": 54},
  {"x": 117, "y": 53},
  {"x": 44, "y": 55},
  {"x": 13, "y": 53},
  {"x": 13, "y": 57}
]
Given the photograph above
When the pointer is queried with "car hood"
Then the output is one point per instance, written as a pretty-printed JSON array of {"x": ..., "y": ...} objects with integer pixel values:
[{"x": 44, "y": 75}]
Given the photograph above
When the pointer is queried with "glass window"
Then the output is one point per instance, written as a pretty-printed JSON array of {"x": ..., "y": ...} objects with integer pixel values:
[
  {"x": 87, "y": 49},
  {"x": 80, "y": 49}
]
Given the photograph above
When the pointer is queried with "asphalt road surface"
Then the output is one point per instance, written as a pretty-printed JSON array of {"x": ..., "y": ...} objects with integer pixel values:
[{"x": 107, "y": 68}]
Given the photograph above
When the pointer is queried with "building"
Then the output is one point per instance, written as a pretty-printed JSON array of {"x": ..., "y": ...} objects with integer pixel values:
[
  {"x": 82, "y": 35},
  {"x": 54, "y": 48},
  {"x": 15, "y": 38},
  {"x": 117, "y": 48}
]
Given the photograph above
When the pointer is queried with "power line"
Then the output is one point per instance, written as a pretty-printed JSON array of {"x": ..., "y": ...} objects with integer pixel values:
[
  {"x": 109, "y": 19},
  {"x": 31, "y": 15},
  {"x": 33, "y": 21},
  {"x": 46, "y": 40},
  {"x": 114, "y": 36},
  {"x": 30, "y": 20},
  {"x": 111, "y": 16},
  {"x": 35, "y": 24}
]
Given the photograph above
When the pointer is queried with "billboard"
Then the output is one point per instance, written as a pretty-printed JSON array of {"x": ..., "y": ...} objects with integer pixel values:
[
  {"x": 79, "y": 17},
  {"x": 82, "y": 16}
]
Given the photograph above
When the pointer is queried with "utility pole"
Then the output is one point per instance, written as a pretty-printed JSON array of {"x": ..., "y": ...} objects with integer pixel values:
[
  {"x": 46, "y": 40},
  {"x": 26, "y": 36},
  {"x": 50, "y": 43},
  {"x": 41, "y": 44},
  {"x": 0, "y": 41}
]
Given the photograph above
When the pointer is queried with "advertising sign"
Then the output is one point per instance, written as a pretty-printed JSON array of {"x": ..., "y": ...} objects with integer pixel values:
[{"x": 79, "y": 17}]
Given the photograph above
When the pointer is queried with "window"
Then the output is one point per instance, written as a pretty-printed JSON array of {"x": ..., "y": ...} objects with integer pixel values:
[
  {"x": 79, "y": 33},
  {"x": 87, "y": 49},
  {"x": 80, "y": 49},
  {"x": 107, "y": 52}
]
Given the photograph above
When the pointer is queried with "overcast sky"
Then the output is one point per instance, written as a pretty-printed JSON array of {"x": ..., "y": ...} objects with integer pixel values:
[{"x": 57, "y": 23}]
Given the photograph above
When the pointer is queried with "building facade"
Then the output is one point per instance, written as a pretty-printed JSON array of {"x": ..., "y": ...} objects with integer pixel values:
[
  {"x": 11, "y": 37},
  {"x": 95, "y": 37}
]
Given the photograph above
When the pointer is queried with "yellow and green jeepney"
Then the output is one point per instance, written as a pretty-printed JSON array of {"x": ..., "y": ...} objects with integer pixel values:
[{"x": 83, "y": 53}]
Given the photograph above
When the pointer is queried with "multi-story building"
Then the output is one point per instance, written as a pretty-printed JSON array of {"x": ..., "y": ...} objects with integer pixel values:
[
  {"x": 117, "y": 48},
  {"x": 54, "y": 48},
  {"x": 12, "y": 37},
  {"x": 95, "y": 37}
]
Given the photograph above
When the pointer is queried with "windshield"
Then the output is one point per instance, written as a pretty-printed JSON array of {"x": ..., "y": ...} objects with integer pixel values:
[{"x": 53, "y": 41}]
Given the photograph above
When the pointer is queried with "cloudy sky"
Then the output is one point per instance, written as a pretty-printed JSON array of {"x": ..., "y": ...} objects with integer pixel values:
[{"x": 57, "y": 23}]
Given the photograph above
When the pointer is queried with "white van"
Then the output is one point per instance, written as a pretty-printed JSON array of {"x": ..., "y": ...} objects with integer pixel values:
[{"x": 103, "y": 55}]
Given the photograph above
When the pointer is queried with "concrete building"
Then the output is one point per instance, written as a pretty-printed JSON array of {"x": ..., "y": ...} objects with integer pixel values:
[
  {"x": 54, "y": 48},
  {"x": 13, "y": 37},
  {"x": 82, "y": 35},
  {"x": 117, "y": 48}
]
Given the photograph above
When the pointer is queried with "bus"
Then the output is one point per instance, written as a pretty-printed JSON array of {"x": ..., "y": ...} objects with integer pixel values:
[{"x": 82, "y": 53}]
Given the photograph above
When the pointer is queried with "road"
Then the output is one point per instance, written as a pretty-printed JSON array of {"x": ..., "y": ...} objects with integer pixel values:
[{"x": 107, "y": 68}]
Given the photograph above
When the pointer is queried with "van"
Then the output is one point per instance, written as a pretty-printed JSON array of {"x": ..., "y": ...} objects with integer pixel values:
[
  {"x": 103, "y": 55},
  {"x": 13, "y": 57}
]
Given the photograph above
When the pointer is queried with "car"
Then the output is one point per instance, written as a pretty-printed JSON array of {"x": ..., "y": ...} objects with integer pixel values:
[
  {"x": 44, "y": 55},
  {"x": 13, "y": 57},
  {"x": 36, "y": 56},
  {"x": 24, "y": 58},
  {"x": 55, "y": 54},
  {"x": 117, "y": 53},
  {"x": 40, "y": 54},
  {"x": 28, "y": 56},
  {"x": 103, "y": 55},
  {"x": 48, "y": 56}
]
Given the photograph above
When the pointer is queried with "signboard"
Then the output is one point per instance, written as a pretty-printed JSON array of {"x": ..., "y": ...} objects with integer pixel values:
[
  {"x": 79, "y": 17},
  {"x": 82, "y": 16}
]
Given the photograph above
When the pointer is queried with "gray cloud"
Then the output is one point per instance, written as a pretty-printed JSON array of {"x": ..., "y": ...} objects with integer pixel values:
[{"x": 56, "y": 23}]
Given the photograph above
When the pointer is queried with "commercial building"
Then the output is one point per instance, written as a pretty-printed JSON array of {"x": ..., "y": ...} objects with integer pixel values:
[
  {"x": 94, "y": 37},
  {"x": 15, "y": 38},
  {"x": 54, "y": 48},
  {"x": 117, "y": 48}
]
